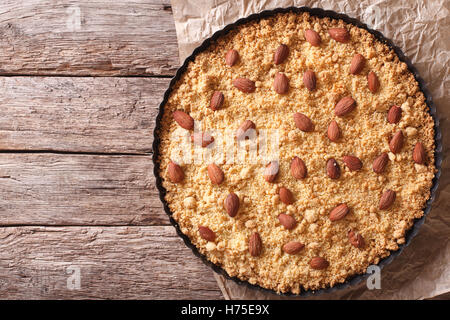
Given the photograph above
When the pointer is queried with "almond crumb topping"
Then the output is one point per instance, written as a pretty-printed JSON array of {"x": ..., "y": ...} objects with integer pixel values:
[{"x": 355, "y": 155}]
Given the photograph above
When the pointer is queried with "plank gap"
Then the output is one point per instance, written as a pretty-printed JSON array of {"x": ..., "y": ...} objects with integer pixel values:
[
  {"x": 86, "y": 153},
  {"x": 53, "y": 75}
]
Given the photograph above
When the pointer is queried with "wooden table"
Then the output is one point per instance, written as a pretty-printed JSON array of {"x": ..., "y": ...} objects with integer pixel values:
[{"x": 81, "y": 82}]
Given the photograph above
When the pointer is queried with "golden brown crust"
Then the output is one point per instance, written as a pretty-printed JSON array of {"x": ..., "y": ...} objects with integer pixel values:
[{"x": 365, "y": 133}]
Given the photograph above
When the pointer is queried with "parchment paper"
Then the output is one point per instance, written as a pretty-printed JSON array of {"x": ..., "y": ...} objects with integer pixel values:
[{"x": 422, "y": 30}]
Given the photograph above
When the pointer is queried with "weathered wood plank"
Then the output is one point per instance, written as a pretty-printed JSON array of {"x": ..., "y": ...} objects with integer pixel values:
[
  {"x": 87, "y": 37},
  {"x": 56, "y": 189},
  {"x": 113, "y": 263},
  {"x": 88, "y": 114}
]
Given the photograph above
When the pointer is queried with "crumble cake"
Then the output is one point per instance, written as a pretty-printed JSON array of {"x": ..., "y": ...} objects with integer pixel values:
[{"x": 355, "y": 157}]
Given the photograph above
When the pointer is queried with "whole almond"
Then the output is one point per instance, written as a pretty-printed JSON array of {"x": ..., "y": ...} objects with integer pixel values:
[
  {"x": 355, "y": 239},
  {"x": 281, "y": 54},
  {"x": 344, "y": 106},
  {"x": 312, "y": 37},
  {"x": 231, "y": 57},
  {"x": 396, "y": 142},
  {"x": 232, "y": 204},
  {"x": 339, "y": 212},
  {"x": 287, "y": 221},
  {"x": 244, "y": 85},
  {"x": 394, "y": 114},
  {"x": 215, "y": 174},
  {"x": 309, "y": 80},
  {"x": 183, "y": 119},
  {"x": 357, "y": 63},
  {"x": 202, "y": 139},
  {"x": 352, "y": 162},
  {"x": 387, "y": 199},
  {"x": 244, "y": 130},
  {"x": 271, "y": 171},
  {"x": 333, "y": 169},
  {"x": 175, "y": 172},
  {"x": 206, "y": 233},
  {"x": 255, "y": 244},
  {"x": 318, "y": 263},
  {"x": 286, "y": 196},
  {"x": 380, "y": 163},
  {"x": 293, "y": 247},
  {"x": 339, "y": 34},
  {"x": 419, "y": 155},
  {"x": 298, "y": 168},
  {"x": 333, "y": 132},
  {"x": 216, "y": 100},
  {"x": 281, "y": 83},
  {"x": 303, "y": 122},
  {"x": 372, "y": 82}
]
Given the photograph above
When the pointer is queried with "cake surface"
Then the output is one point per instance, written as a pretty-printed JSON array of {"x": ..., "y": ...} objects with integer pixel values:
[{"x": 351, "y": 168}]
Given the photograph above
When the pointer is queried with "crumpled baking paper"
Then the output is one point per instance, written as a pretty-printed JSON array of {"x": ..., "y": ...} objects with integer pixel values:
[{"x": 422, "y": 30}]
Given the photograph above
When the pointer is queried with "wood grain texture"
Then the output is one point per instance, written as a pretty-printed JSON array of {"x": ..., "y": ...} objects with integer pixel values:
[
  {"x": 98, "y": 213},
  {"x": 114, "y": 263},
  {"x": 103, "y": 115},
  {"x": 56, "y": 189},
  {"x": 87, "y": 37}
]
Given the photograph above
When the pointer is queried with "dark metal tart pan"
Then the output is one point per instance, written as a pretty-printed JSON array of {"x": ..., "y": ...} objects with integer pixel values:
[{"x": 351, "y": 281}]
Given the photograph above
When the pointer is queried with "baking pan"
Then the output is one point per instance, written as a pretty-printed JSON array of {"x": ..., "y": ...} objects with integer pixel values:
[{"x": 351, "y": 281}]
